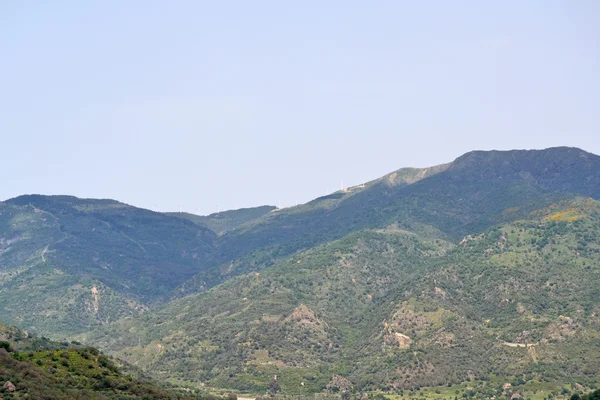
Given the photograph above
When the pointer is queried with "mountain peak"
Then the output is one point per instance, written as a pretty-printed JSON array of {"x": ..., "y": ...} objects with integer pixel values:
[
  {"x": 52, "y": 201},
  {"x": 562, "y": 153},
  {"x": 562, "y": 169}
]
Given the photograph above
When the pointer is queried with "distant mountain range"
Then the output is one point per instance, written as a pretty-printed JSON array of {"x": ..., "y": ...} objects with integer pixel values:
[{"x": 483, "y": 269}]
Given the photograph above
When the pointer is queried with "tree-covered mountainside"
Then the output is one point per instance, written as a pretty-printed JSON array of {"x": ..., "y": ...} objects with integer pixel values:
[
  {"x": 67, "y": 264},
  {"x": 476, "y": 191},
  {"x": 388, "y": 309},
  {"x": 485, "y": 268},
  {"x": 224, "y": 221}
]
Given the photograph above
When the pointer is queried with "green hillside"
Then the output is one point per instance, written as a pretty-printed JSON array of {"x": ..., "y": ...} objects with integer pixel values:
[
  {"x": 37, "y": 368},
  {"x": 388, "y": 309},
  {"x": 69, "y": 264}
]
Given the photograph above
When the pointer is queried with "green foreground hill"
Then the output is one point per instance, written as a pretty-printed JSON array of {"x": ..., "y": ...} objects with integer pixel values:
[{"x": 36, "y": 368}]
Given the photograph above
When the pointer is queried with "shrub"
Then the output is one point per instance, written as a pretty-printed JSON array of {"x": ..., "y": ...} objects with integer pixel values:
[{"x": 6, "y": 346}]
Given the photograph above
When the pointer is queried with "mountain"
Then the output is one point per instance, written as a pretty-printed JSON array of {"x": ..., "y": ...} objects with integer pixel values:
[
  {"x": 68, "y": 264},
  {"x": 388, "y": 309},
  {"x": 95, "y": 261},
  {"x": 476, "y": 191},
  {"x": 225, "y": 221},
  {"x": 154, "y": 254},
  {"x": 481, "y": 270}
]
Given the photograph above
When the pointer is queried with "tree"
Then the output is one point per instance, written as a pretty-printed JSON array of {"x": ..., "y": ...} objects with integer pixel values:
[
  {"x": 274, "y": 387},
  {"x": 5, "y": 345}
]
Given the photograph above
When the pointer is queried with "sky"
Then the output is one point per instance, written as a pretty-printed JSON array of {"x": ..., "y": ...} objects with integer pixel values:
[{"x": 213, "y": 105}]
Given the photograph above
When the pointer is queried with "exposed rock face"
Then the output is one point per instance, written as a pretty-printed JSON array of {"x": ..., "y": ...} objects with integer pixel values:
[
  {"x": 305, "y": 316},
  {"x": 403, "y": 321},
  {"x": 390, "y": 337},
  {"x": 407, "y": 176},
  {"x": 403, "y": 340},
  {"x": 338, "y": 383},
  {"x": 10, "y": 386},
  {"x": 95, "y": 299},
  {"x": 561, "y": 329}
]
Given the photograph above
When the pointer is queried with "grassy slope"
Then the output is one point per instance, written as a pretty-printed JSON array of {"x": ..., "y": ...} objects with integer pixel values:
[
  {"x": 391, "y": 309},
  {"x": 40, "y": 368},
  {"x": 72, "y": 374}
]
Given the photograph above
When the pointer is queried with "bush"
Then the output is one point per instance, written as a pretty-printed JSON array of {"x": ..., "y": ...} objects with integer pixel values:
[{"x": 6, "y": 346}]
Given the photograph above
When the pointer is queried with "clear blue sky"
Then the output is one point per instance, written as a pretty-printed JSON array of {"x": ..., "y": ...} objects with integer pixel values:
[{"x": 244, "y": 103}]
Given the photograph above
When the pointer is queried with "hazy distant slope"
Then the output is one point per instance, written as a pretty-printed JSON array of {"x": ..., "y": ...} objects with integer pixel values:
[
  {"x": 470, "y": 193},
  {"x": 392, "y": 309},
  {"x": 137, "y": 250},
  {"x": 69, "y": 263},
  {"x": 224, "y": 221},
  {"x": 476, "y": 191}
]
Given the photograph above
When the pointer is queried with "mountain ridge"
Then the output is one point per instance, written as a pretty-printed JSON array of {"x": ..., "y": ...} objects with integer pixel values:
[
  {"x": 452, "y": 199},
  {"x": 470, "y": 194}
]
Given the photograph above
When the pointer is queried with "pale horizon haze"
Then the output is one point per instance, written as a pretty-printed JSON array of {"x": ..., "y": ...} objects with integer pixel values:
[{"x": 234, "y": 104}]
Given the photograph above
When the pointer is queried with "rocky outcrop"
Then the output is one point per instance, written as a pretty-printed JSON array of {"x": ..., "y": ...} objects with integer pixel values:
[{"x": 9, "y": 386}]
